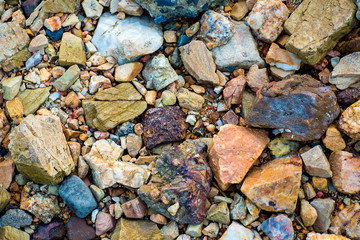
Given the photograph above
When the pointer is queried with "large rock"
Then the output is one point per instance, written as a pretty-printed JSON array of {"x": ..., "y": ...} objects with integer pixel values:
[
  {"x": 125, "y": 39},
  {"x": 347, "y": 72},
  {"x": 233, "y": 152},
  {"x": 313, "y": 32},
  {"x": 180, "y": 188},
  {"x": 32, "y": 99},
  {"x": 13, "y": 42},
  {"x": 163, "y": 125},
  {"x": 112, "y": 106},
  {"x": 107, "y": 169},
  {"x": 274, "y": 186},
  {"x": 165, "y": 10},
  {"x": 299, "y": 106},
  {"x": 10, "y": 233},
  {"x": 240, "y": 52},
  {"x": 71, "y": 50},
  {"x": 136, "y": 229},
  {"x": 40, "y": 151},
  {"x": 278, "y": 228},
  {"x": 346, "y": 172},
  {"x": 16, "y": 218},
  {"x": 349, "y": 121}
]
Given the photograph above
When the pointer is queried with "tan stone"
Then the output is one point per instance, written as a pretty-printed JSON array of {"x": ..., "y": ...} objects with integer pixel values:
[
  {"x": 7, "y": 168},
  {"x": 234, "y": 89},
  {"x": 40, "y": 151},
  {"x": 282, "y": 58},
  {"x": 256, "y": 78},
  {"x": 349, "y": 121},
  {"x": 274, "y": 186},
  {"x": 316, "y": 163},
  {"x": 72, "y": 100},
  {"x": 75, "y": 149},
  {"x": 4, "y": 197},
  {"x": 308, "y": 213},
  {"x": 346, "y": 172},
  {"x": 127, "y": 72},
  {"x": 318, "y": 236},
  {"x": 4, "y": 125},
  {"x": 333, "y": 139},
  {"x": 136, "y": 229},
  {"x": 189, "y": 100},
  {"x": 239, "y": 10},
  {"x": 15, "y": 110},
  {"x": 32, "y": 99},
  {"x": 11, "y": 233},
  {"x": 342, "y": 219},
  {"x": 233, "y": 152}
]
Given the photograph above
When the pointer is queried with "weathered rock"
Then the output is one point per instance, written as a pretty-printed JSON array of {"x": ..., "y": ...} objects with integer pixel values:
[
  {"x": 92, "y": 8},
  {"x": 240, "y": 52},
  {"x": 170, "y": 231},
  {"x": 11, "y": 87},
  {"x": 189, "y": 100},
  {"x": 348, "y": 96},
  {"x": 274, "y": 186},
  {"x": 347, "y": 72},
  {"x": 318, "y": 236},
  {"x": 4, "y": 197},
  {"x": 183, "y": 179},
  {"x": 299, "y": 105},
  {"x": 233, "y": 152},
  {"x": 316, "y": 163},
  {"x": 233, "y": 91},
  {"x": 71, "y": 50},
  {"x": 124, "y": 39},
  {"x": 32, "y": 99},
  {"x": 127, "y": 72},
  {"x": 9, "y": 233},
  {"x": 163, "y": 125},
  {"x": 16, "y": 218},
  {"x": 136, "y": 229},
  {"x": 238, "y": 208},
  {"x": 40, "y": 151},
  {"x": 77, "y": 229},
  {"x": 346, "y": 221},
  {"x": 349, "y": 121},
  {"x": 4, "y": 125},
  {"x": 238, "y": 231},
  {"x": 68, "y": 78},
  {"x": 324, "y": 208},
  {"x": 52, "y": 231},
  {"x": 346, "y": 174},
  {"x": 308, "y": 213},
  {"x": 215, "y": 29},
  {"x": 257, "y": 78},
  {"x": 134, "y": 208},
  {"x": 38, "y": 43},
  {"x": 6, "y": 172},
  {"x": 13, "y": 42},
  {"x": 266, "y": 19},
  {"x": 61, "y": 6},
  {"x": 353, "y": 226},
  {"x": 280, "y": 147},
  {"x": 198, "y": 61},
  {"x": 282, "y": 58},
  {"x": 313, "y": 34},
  {"x": 130, "y": 7},
  {"x": 219, "y": 213},
  {"x": 103, "y": 223},
  {"x": 278, "y": 228},
  {"x": 333, "y": 139},
  {"x": 211, "y": 230},
  {"x": 15, "y": 110},
  {"x": 239, "y": 10}
]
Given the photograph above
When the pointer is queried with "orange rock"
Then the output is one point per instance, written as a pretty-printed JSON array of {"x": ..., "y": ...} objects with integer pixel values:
[
  {"x": 282, "y": 58},
  {"x": 349, "y": 121},
  {"x": 4, "y": 125},
  {"x": 72, "y": 100},
  {"x": 274, "y": 186},
  {"x": 346, "y": 172},
  {"x": 317, "y": 236},
  {"x": 233, "y": 152},
  {"x": 333, "y": 139}
]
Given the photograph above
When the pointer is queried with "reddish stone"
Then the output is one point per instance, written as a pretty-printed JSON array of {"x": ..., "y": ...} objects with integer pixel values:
[
  {"x": 233, "y": 90},
  {"x": 7, "y": 168},
  {"x": 230, "y": 118},
  {"x": 134, "y": 208},
  {"x": 52, "y": 231},
  {"x": 77, "y": 229},
  {"x": 103, "y": 223}
]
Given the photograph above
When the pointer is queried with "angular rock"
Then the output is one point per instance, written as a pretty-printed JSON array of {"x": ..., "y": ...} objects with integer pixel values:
[
  {"x": 130, "y": 7},
  {"x": 103, "y": 159},
  {"x": 32, "y": 99},
  {"x": 40, "y": 151},
  {"x": 7, "y": 168},
  {"x": 11, "y": 87},
  {"x": 308, "y": 213},
  {"x": 257, "y": 78},
  {"x": 127, "y": 72},
  {"x": 238, "y": 231},
  {"x": 198, "y": 61},
  {"x": 13, "y": 42},
  {"x": 134, "y": 208},
  {"x": 324, "y": 208},
  {"x": 52, "y": 231},
  {"x": 71, "y": 50},
  {"x": 4, "y": 125},
  {"x": 29, "y": 6},
  {"x": 7, "y": 233},
  {"x": 240, "y": 52},
  {"x": 349, "y": 122},
  {"x": 4, "y": 197},
  {"x": 274, "y": 186},
  {"x": 134, "y": 144},
  {"x": 346, "y": 172},
  {"x": 124, "y": 39},
  {"x": 53, "y": 23},
  {"x": 318, "y": 236},
  {"x": 92, "y": 8},
  {"x": 233, "y": 91},
  {"x": 38, "y": 43},
  {"x": 103, "y": 223},
  {"x": 61, "y": 6},
  {"x": 278, "y": 228},
  {"x": 239, "y": 10},
  {"x": 189, "y": 100},
  {"x": 233, "y": 152},
  {"x": 313, "y": 33},
  {"x": 282, "y": 58},
  {"x": 347, "y": 72},
  {"x": 68, "y": 78},
  {"x": 348, "y": 96},
  {"x": 333, "y": 139},
  {"x": 346, "y": 221},
  {"x": 299, "y": 104},
  {"x": 16, "y": 218},
  {"x": 219, "y": 213},
  {"x": 266, "y": 19},
  {"x": 136, "y": 229},
  {"x": 163, "y": 125},
  {"x": 215, "y": 29},
  {"x": 316, "y": 163},
  {"x": 183, "y": 179},
  {"x": 238, "y": 208},
  {"x": 77, "y": 229}
]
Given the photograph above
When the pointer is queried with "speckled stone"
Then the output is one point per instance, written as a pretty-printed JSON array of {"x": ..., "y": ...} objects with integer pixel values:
[
  {"x": 52, "y": 231},
  {"x": 16, "y": 218},
  {"x": 349, "y": 122},
  {"x": 278, "y": 228}
]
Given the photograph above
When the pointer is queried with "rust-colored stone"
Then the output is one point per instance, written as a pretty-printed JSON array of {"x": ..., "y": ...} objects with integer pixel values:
[
  {"x": 349, "y": 121},
  {"x": 233, "y": 90}
]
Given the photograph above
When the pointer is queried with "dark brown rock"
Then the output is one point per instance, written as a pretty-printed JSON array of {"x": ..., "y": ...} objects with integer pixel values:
[
  {"x": 348, "y": 96},
  {"x": 179, "y": 189},
  {"x": 29, "y": 6},
  {"x": 52, "y": 231},
  {"x": 77, "y": 229},
  {"x": 350, "y": 43},
  {"x": 163, "y": 125},
  {"x": 299, "y": 105}
]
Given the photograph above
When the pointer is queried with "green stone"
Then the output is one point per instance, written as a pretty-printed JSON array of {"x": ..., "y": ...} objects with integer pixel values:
[
  {"x": 32, "y": 99},
  {"x": 11, "y": 233},
  {"x": 135, "y": 230},
  {"x": 219, "y": 213},
  {"x": 4, "y": 198},
  {"x": 71, "y": 50},
  {"x": 61, "y": 6},
  {"x": 124, "y": 91},
  {"x": 68, "y": 78},
  {"x": 97, "y": 192}
]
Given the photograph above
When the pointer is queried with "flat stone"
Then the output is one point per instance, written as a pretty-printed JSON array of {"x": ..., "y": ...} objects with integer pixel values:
[
  {"x": 124, "y": 39},
  {"x": 14, "y": 41},
  {"x": 238, "y": 231},
  {"x": 61, "y": 6},
  {"x": 134, "y": 208},
  {"x": 8, "y": 232},
  {"x": 318, "y": 236},
  {"x": 233, "y": 152},
  {"x": 266, "y": 19},
  {"x": 347, "y": 72},
  {"x": 16, "y": 218},
  {"x": 7, "y": 168},
  {"x": 32, "y": 99},
  {"x": 136, "y": 229},
  {"x": 282, "y": 58},
  {"x": 316, "y": 163},
  {"x": 68, "y": 78},
  {"x": 92, "y": 8},
  {"x": 4, "y": 197},
  {"x": 299, "y": 104},
  {"x": 198, "y": 61},
  {"x": 163, "y": 125},
  {"x": 189, "y": 100},
  {"x": 127, "y": 72},
  {"x": 313, "y": 34},
  {"x": 170, "y": 231},
  {"x": 240, "y": 52},
  {"x": 333, "y": 139},
  {"x": 324, "y": 208},
  {"x": 349, "y": 121},
  {"x": 103, "y": 223},
  {"x": 38, "y": 43},
  {"x": 40, "y": 151},
  {"x": 345, "y": 167},
  {"x": 178, "y": 191},
  {"x": 278, "y": 228},
  {"x": 11, "y": 87},
  {"x": 71, "y": 50},
  {"x": 308, "y": 213},
  {"x": 261, "y": 184},
  {"x": 77, "y": 229},
  {"x": 54, "y": 230}
]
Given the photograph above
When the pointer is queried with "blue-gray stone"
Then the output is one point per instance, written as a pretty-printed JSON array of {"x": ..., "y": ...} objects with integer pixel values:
[
  {"x": 358, "y": 11},
  {"x": 16, "y": 218},
  {"x": 163, "y": 10},
  {"x": 183, "y": 40},
  {"x": 77, "y": 196},
  {"x": 34, "y": 60},
  {"x": 56, "y": 35},
  {"x": 125, "y": 129}
]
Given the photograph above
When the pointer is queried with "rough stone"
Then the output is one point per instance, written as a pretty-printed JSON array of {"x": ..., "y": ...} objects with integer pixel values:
[
  {"x": 92, "y": 8},
  {"x": 71, "y": 50},
  {"x": 282, "y": 58},
  {"x": 4, "y": 197},
  {"x": 52, "y": 231},
  {"x": 239, "y": 10},
  {"x": 313, "y": 33},
  {"x": 324, "y": 208},
  {"x": 278, "y": 228},
  {"x": 77, "y": 229},
  {"x": 333, "y": 139},
  {"x": 32, "y": 99},
  {"x": 7, "y": 233},
  {"x": 233, "y": 91},
  {"x": 219, "y": 213},
  {"x": 257, "y": 78},
  {"x": 40, "y": 151},
  {"x": 347, "y": 72},
  {"x": 318, "y": 236},
  {"x": 7, "y": 168},
  {"x": 189, "y": 100},
  {"x": 11, "y": 87},
  {"x": 16, "y": 218},
  {"x": 316, "y": 163},
  {"x": 61, "y": 6},
  {"x": 233, "y": 152},
  {"x": 238, "y": 231},
  {"x": 127, "y": 72},
  {"x": 38, "y": 43},
  {"x": 136, "y": 229},
  {"x": 308, "y": 213},
  {"x": 134, "y": 208},
  {"x": 349, "y": 121},
  {"x": 341, "y": 223},
  {"x": 183, "y": 179},
  {"x": 130, "y": 7},
  {"x": 274, "y": 186},
  {"x": 348, "y": 96},
  {"x": 68, "y": 78},
  {"x": 299, "y": 105}
]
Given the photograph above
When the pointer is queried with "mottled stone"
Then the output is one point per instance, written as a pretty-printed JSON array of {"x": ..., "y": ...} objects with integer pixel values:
[
  {"x": 238, "y": 231},
  {"x": 136, "y": 229},
  {"x": 257, "y": 78},
  {"x": 92, "y": 8},
  {"x": 316, "y": 163},
  {"x": 318, "y": 236},
  {"x": 313, "y": 33},
  {"x": 333, "y": 139},
  {"x": 4, "y": 125},
  {"x": 61, "y": 6},
  {"x": 32, "y": 99},
  {"x": 278, "y": 228},
  {"x": 40, "y": 151},
  {"x": 280, "y": 147},
  {"x": 10, "y": 233},
  {"x": 266, "y": 19},
  {"x": 103, "y": 223},
  {"x": 130, "y": 7},
  {"x": 134, "y": 208},
  {"x": 71, "y": 50},
  {"x": 7, "y": 168},
  {"x": 239, "y": 10},
  {"x": 324, "y": 208},
  {"x": 308, "y": 213},
  {"x": 52, "y": 231},
  {"x": 16, "y": 218},
  {"x": 219, "y": 213},
  {"x": 282, "y": 58},
  {"x": 77, "y": 229},
  {"x": 183, "y": 179},
  {"x": 346, "y": 221},
  {"x": 163, "y": 125},
  {"x": 189, "y": 100},
  {"x": 346, "y": 172},
  {"x": 274, "y": 186},
  {"x": 68, "y": 78},
  {"x": 233, "y": 152},
  {"x": 233, "y": 91},
  {"x": 349, "y": 121},
  {"x": 4, "y": 197},
  {"x": 348, "y": 96},
  {"x": 347, "y": 72},
  {"x": 299, "y": 104},
  {"x": 11, "y": 87},
  {"x": 127, "y": 72}
]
